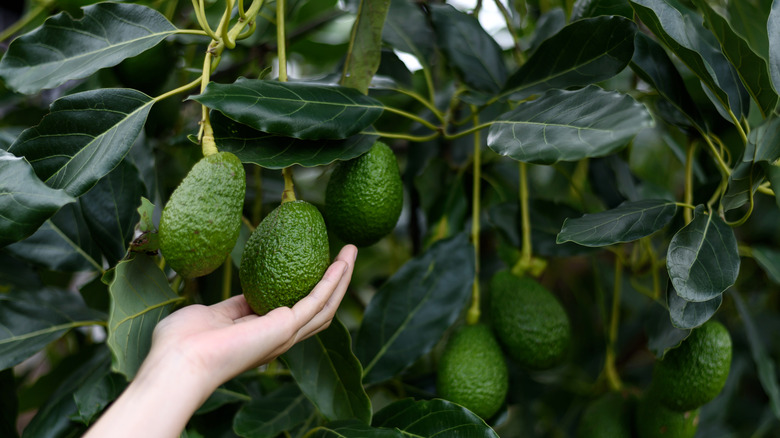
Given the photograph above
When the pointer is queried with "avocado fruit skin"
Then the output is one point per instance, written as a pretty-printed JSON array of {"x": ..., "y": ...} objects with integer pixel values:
[
  {"x": 695, "y": 372},
  {"x": 201, "y": 221},
  {"x": 473, "y": 372},
  {"x": 609, "y": 416},
  {"x": 655, "y": 420},
  {"x": 285, "y": 257},
  {"x": 529, "y": 321},
  {"x": 364, "y": 196}
]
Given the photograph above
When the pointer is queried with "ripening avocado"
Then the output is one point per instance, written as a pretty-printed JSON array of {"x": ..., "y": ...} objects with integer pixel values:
[
  {"x": 472, "y": 371},
  {"x": 655, "y": 420},
  {"x": 695, "y": 372},
  {"x": 364, "y": 196},
  {"x": 529, "y": 321},
  {"x": 201, "y": 221},
  {"x": 609, "y": 416},
  {"x": 285, "y": 257}
]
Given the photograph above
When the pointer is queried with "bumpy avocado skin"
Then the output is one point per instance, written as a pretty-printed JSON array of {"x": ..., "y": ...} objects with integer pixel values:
[
  {"x": 364, "y": 196},
  {"x": 607, "y": 417},
  {"x": 285, "y": 257},
  {"x": 202, "y": 219},
  {"x": 472, "y": 371},
  {"x": 655, "y": 420},
  {"x": 695, "y": 372},
  {"x": 529, "y": 321}
]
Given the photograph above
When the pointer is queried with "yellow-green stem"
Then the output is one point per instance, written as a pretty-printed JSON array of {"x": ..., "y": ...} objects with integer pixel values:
[
  {"x": 525, "y": 216},
  {"x": 738, "y": 124},
  {"x": 176, "y": 284},
  {"x": 227, "y": 278},
  {"x": 517, "y": 52},
  {"x": 176, "y": 91},
  {"x": 200, "y": 16},
  {"x": 468, "y": 131},
  {"x": 423, "y": 101},
  {"x": 412, "y": 138},
  {"x": 280, "y": 41},
  {"x": 687, "y": 214},
  {"x": 414, "y": 117},
  {"x": 289, "y": 188},
  {"x": 31, "y": 15},
  {"x": 613, "y": 378},
  {"x": 472, "y": 317}
]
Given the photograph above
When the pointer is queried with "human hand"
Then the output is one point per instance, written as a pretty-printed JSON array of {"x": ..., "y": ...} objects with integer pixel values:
[{"x": 220, "y": 341}]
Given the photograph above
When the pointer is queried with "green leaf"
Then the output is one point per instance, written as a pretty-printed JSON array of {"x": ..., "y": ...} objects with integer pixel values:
[
  {"x": 99, "y": 389},
  {"x": 764, "y": 142},
  {"x": 110, "y": 210},
  {"x": 772, "y": 171},
  {"x": 568, "y": 126},
  {"x": 353, "y": 429},
  {"x": 773, "y": 29},
  {"x": 268, "y": 416},
  {"x": 688, "y": 314},
  {"x": 25, "y": 201},
  {"x": 473, "y": 54},
  {"x": 584, "y": 52},
  {"x": 412, "y": 310},
  {"x": 365, "y": 48},
  {"x": 594, "y": 8},
  {"x": 762, "y": 148},
  {"x": 703, "y": 260},
  {"x": 628, "y": 222},
  {"x": 743, "y": 182},
  {"x": 752, "y": 68},
  {"x": 140, "y": 298},
  {"x": 769, "y": 260},
  {"x": 767, "y": 369},
  {"x": 652, "y": 64},
  {"x": 302, "y": 110},
  {"x": 231, "y": 391},
  {"x": 407, "y": 30},
  {"x": 662, "y": 336},
  {"x": 429, "y": 418},
  {"x": 63, "y": 243},
  {"x": 64, "y": 49},
  {"x": 31, "y": 319},
  {"x": 277, "y": 152},
  {"x": 330, "y": 375},
  {"x": 84, "y": 137},
  {"x": 681, "y": 31}
]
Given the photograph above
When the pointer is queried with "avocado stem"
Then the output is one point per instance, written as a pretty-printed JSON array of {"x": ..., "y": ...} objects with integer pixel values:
[{"x": 289, "y": 188}]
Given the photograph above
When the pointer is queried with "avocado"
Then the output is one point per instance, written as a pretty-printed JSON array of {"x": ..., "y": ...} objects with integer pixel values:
[
  {"x": 609, "y": 416},
  {"x": 472, "y": 371},
  {"x": 364, "y": 196},
  {"x": 285, "y": 257},
  {"x": 529, "y": 321},
  {"x": 201, "y": 221},
  {"x": 655, "y": 420}
]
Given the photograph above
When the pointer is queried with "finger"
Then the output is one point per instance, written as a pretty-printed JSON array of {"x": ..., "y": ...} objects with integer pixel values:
[
  {"x": 234, "y": 307},
  {"x": 311, "y": 304}
]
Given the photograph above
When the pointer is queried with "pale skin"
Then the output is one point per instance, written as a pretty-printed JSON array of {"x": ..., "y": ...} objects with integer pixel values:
[{"x": 197, "y": 348}]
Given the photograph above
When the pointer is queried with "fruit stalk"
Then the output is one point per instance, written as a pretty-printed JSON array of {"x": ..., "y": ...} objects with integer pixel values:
[
  {"x": 472, "y": 317},
  {"x": 289, "y": 188},
  {"x": 280, "y": 41},
  {"x": 613, "y": 379}
]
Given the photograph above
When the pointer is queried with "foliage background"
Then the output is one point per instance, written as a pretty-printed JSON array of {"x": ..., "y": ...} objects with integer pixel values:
[{"x": 681, "y": 100}]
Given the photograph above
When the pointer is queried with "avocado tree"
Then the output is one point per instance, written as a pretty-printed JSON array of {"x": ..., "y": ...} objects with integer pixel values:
[{"x": 622, "y": 156}]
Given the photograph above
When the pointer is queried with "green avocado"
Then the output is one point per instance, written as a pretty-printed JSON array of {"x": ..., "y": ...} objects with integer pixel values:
[
  {"x": 472, "y": 371},
  {"x": 201, "y": 221},
  {"x": 609, "y": 416},
  {"x": 695, "y": 372},
  {"x": 529, "y": 321},
  {"x": 364, "y": 196},
  {"x": 285, "y": 257},
  {"x": 655, "y": 420}
]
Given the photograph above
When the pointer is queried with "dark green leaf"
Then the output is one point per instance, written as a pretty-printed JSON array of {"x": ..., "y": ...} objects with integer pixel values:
[
  {"x": 584, "y": 52},
  {"x": 688, "y": 314},
  {"x": 743, "y": 182},
  {"x": 365, "y": 49},
  {"x": 9, "y": 404},
  {"x": 63, "y": 243},
  {"x": 662, "y": 336},
  {"x": 703, "y": 260},
  {"x": 763, "y": 147},
  {"x": 473, "y": 54},
  {"x": 330, "y": 375},
  {"x": 773, "y": 28},
  {"x": 412, "y": 310},
  {"x": 302, "y": 110},
  {"x": 64, "y": 48},
  {"x": 430, "y": 418},
  {"x": 277, "y": 152},
  {"x": 110, "y": 210},
  {"x": 98, "y": 390},
  {"x": 231, "y": 391},
  {"x": 140, "y": 298},
  {"x": 764, "y": 142},
  {"x": 652, "y": 64},
  {"x": 353, "y": 429},
  {"x": 84, "y": 137},
  {"x": 25, "y": 201},
  {"x": 549, "y": 24},
  {"x": 752, "y": 68},
  {"x": 681, "y": 30},
  {"x": 594, "y": 8},
  {"x": 407, "y": 30},
  {"x": 568, "y": 126},
  {"x": 767, "y": 369},
  {"x": 16, "y": 274},
  {"x": 627, "y": 222},
  {"x": 772, "y": 171},
  {"x": 273, "y": 414},
  {"x": 31, "y": 319},
  {"x": 769, "y": 260},
  {"x": 749, "y": 20}
]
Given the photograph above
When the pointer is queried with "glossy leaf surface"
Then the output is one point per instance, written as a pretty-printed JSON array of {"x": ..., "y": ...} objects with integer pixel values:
[
  {"x": 594, "y": 8},
  {"x": 365, "y": 45},
  {"x": 769, "y": 260},
  {"x": 407, "y": 30},
  {"x": 412, "y": 310},
  {"x": 628, "y": 222},
  {"x": 272, "y": 414},
  {"x": 302, "y": 110},
  {"x": 353, "y": 429},
  {"x": 689, "y": 314},
  {"x": 429, "y": 418},
  {"x": 568, "y": 126},
  {"x": 65, "y": 48}
]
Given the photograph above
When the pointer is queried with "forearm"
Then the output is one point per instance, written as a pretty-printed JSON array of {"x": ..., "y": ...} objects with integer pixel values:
[{"x": 157, "y": 403}]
